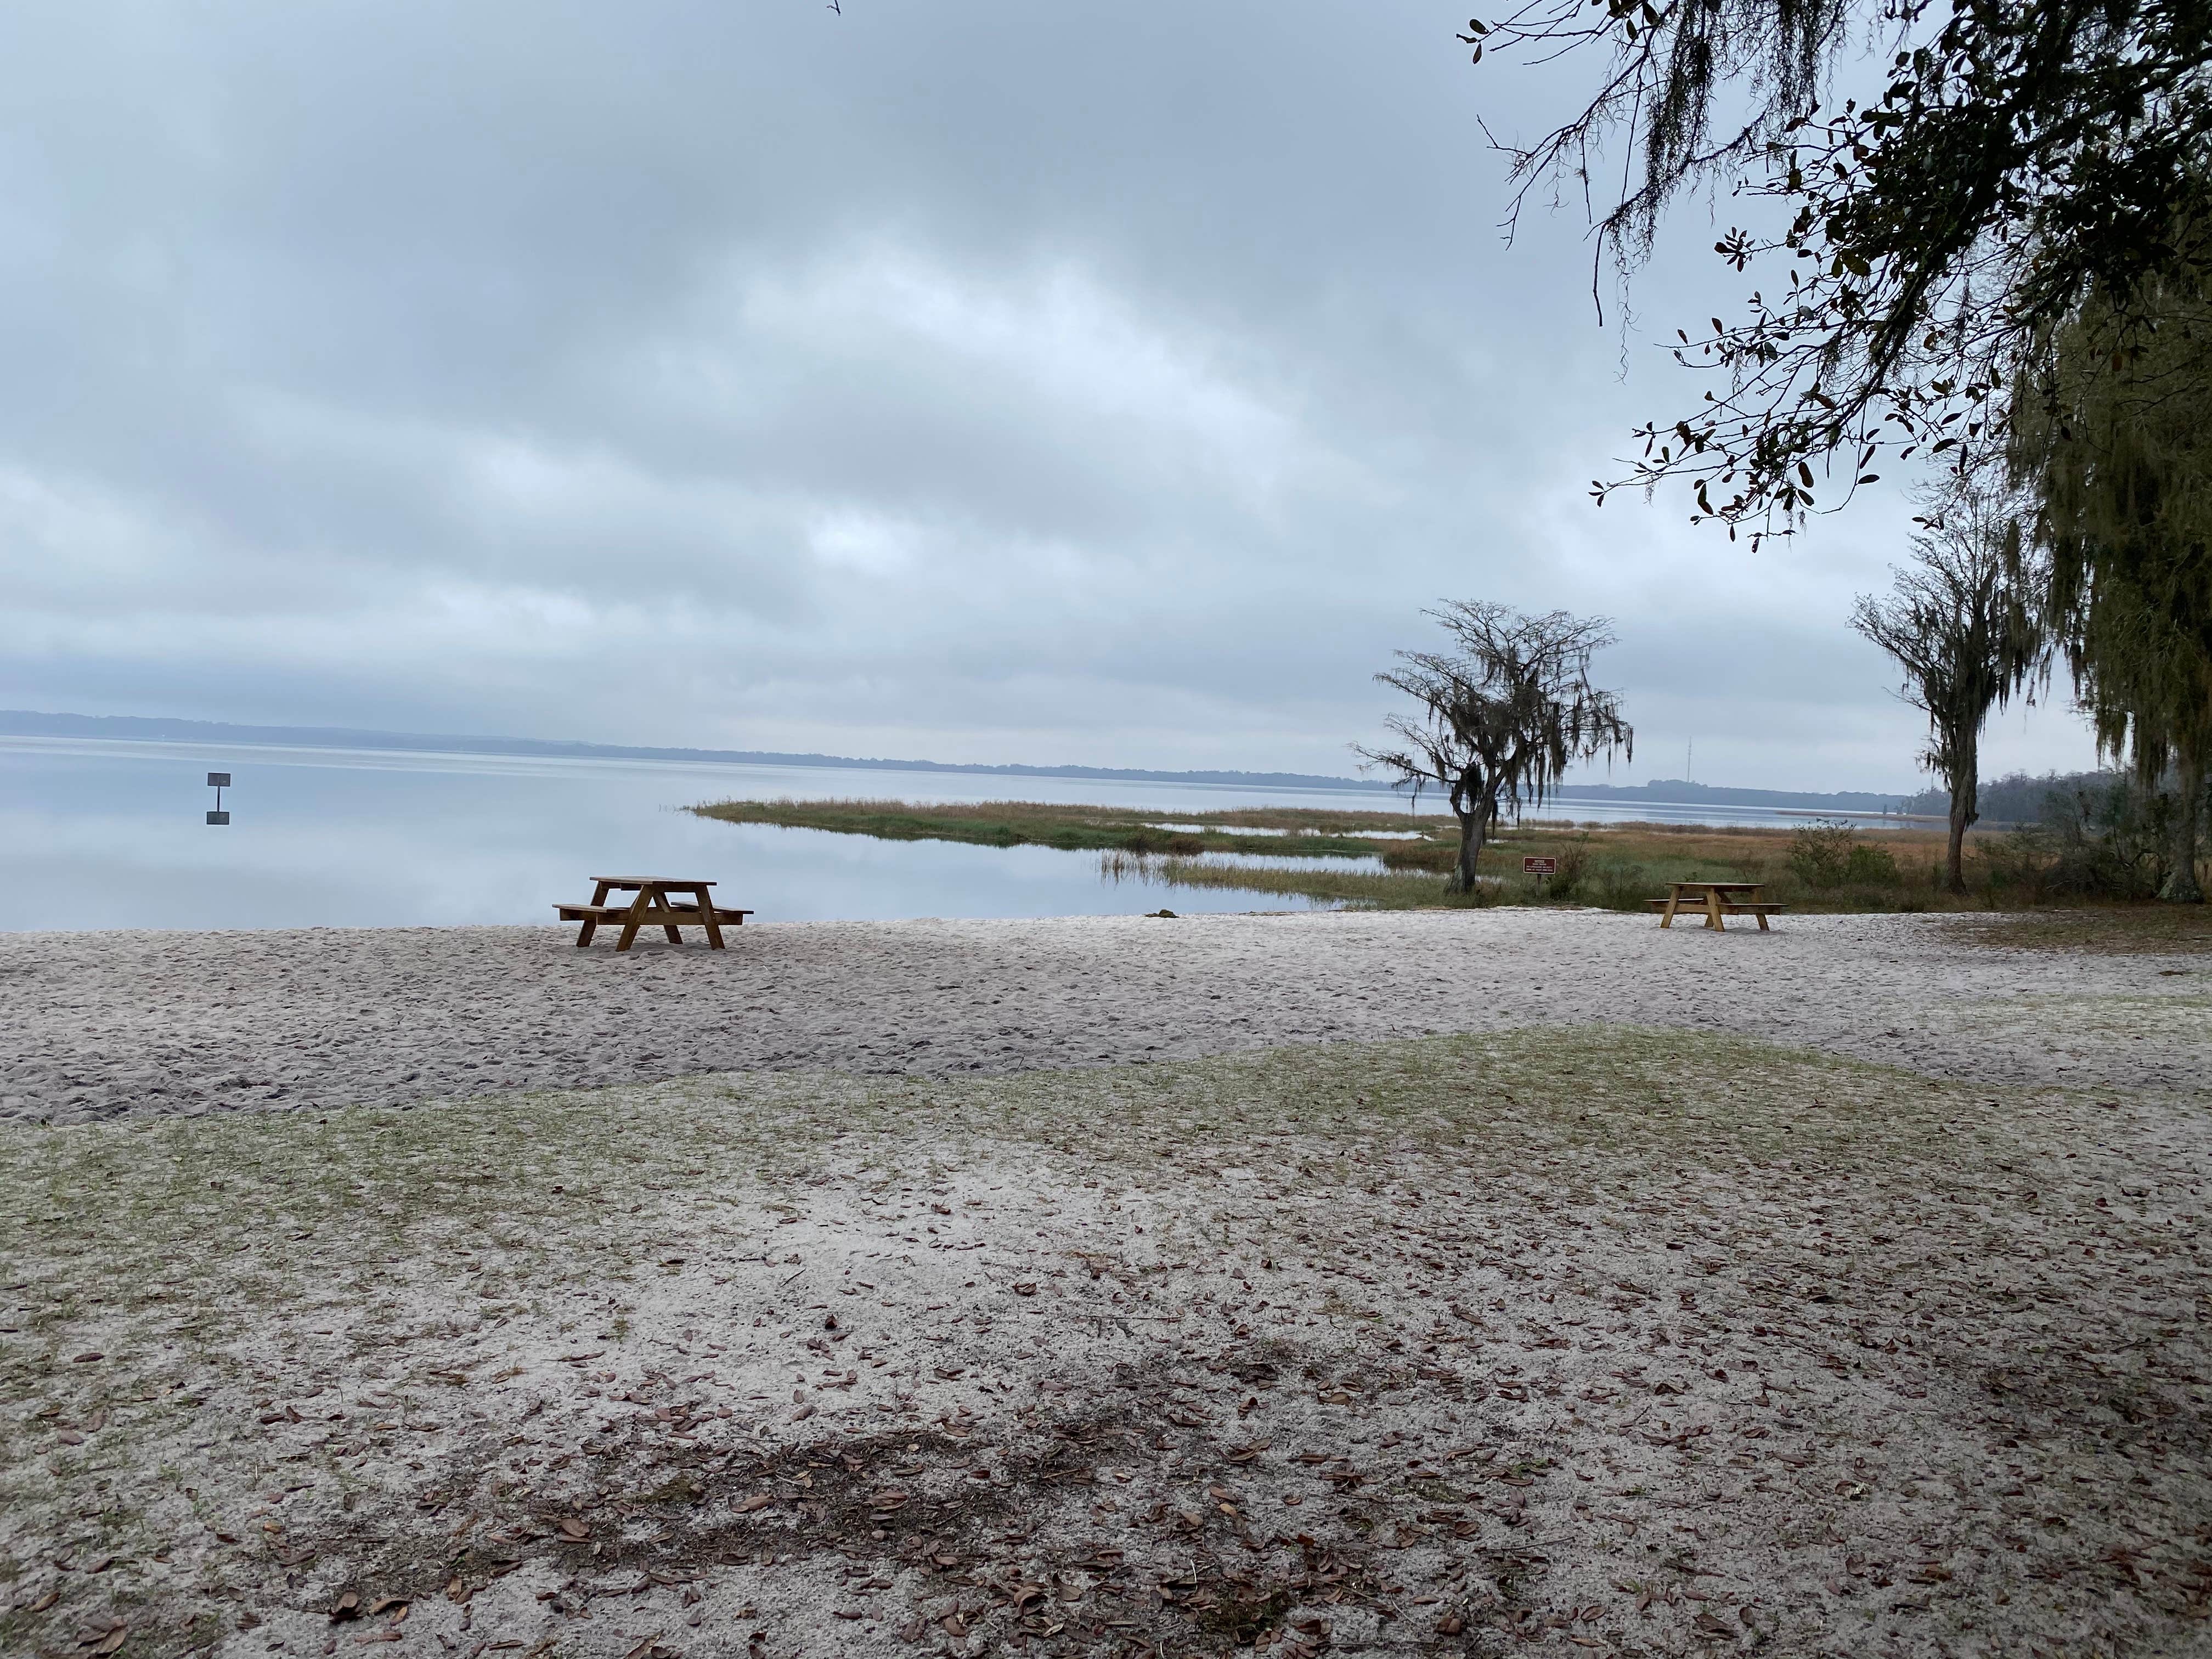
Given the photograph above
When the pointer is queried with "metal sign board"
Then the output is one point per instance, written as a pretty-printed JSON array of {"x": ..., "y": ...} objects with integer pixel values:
[
  {"x": 218, "y": 780},
  {"x": 218, "y": 817},
  {"x": 1539, "y": 866}
]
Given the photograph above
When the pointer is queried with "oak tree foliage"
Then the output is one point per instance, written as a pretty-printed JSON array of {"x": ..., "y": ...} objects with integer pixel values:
[
  {"x": 1963, "y": 621},
  {"x": 1501, "y": 714},
  {"x": 2116, "y": 445},
  {"x": 1918, "y": 248}
]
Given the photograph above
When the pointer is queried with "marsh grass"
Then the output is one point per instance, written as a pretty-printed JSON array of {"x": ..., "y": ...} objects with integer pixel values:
[
  {"x": 1810, "y": 867},
  {"x": 1078, "y": 829},
  {"x": 1614, "y": 867},
  {"x": 1372, "y": 890}
]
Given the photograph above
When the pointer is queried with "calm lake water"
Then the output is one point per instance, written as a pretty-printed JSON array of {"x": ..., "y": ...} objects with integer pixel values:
[
  {"x": 98, "y": 834},
  {"x": 113, "y": 834}
]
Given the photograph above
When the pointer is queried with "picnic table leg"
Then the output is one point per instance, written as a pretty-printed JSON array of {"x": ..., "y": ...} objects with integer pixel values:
[
  {"x": 590, "y": 923},
  {"x": 1713, "y": 912},
  {"x": 630, "y": 923},
  {"x": 710, "y": 921},
  {"x": 1666, "y": 916},
  {"x": 1763, "y": 928},
  {"x": 660, "y": 896}
]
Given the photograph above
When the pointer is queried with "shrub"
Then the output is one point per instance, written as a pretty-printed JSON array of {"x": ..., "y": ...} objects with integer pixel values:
[
  {"x": 1820, "y": 855},
  {"x": 1871, "y": 867},
  {"x": 2105, "y": 843},
  {"x": 1574, "y": 866},
  {"x": 1618, "y": 885}
]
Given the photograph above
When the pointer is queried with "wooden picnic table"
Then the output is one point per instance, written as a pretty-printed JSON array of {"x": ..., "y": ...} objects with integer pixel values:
[
  {"x": 655, "y": 906},
  {"x": 1717, "y": 899}
]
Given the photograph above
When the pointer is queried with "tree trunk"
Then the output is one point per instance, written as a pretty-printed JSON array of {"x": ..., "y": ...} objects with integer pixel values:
[
  {"x": 2181, "y": 884},
  {"x": 1473, "y": 827},
  {"x": 1966, "y": 807}
]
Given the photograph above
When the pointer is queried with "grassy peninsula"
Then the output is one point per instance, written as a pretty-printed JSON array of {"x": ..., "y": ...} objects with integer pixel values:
[
  {"x": 1277, "y": 831},
  {"x": 1392, "y": 860}
]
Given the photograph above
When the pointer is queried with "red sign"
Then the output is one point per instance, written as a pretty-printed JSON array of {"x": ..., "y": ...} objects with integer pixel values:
[{"x": 1539, "y": 866}]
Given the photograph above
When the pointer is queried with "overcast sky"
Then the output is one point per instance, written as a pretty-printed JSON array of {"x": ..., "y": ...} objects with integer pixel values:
[{"x": 977, "y": 381}]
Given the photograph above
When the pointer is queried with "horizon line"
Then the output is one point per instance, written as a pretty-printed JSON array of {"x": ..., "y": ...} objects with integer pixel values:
[{"x": 159, "y": 728}]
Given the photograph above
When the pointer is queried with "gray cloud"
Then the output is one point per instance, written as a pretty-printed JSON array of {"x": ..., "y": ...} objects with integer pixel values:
[{"x": 974, "y": 380}]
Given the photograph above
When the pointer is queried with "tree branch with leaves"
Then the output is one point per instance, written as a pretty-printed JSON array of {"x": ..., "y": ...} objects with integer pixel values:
[{"x": 2020, "y": 155}]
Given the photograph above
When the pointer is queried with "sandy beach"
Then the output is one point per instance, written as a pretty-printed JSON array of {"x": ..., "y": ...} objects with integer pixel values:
[
  {"x": 115, "y": 1025},
  {"x": 1347, "y": 1284}
]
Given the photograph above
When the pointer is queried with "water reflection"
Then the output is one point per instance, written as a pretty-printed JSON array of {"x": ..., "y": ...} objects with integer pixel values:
[
  {"x": 101, "y": 834},
  {"x": 113, "y": 835}
]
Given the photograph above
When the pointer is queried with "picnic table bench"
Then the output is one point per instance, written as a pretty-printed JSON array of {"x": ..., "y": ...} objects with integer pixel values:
[
  {"x": 655, "y": 906},
  {"x": 1717, "y": 899}
]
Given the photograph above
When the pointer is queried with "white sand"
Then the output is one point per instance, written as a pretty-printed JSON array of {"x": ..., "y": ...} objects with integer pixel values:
[
  {"x": 1619, "y": 1342},
  {"x": 107, "y": 1024}
]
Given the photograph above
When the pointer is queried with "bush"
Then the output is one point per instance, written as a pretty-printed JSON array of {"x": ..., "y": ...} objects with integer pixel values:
[
  {"x": 1820, "y": 855},
  {"x": 1871, "y": 867},
  {"x": 2105, "y": 843},
  {"x": 1829, "y": 855},
  {"x": 1574, "y": 866},
  {"x": 1615, "y": 884}
]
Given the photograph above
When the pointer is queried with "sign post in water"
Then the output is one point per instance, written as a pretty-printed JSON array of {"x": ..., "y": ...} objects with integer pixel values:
[{"x": 218, "y": 782}]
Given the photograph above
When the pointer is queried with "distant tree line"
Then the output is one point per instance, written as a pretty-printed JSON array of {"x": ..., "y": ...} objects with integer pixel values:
[{"x": 2019, "y": 797}]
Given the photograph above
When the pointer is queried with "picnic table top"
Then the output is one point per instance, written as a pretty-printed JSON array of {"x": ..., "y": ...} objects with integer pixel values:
[
  {"x": 1720, "y": 886},
  {"x": 650, "y": 881}
]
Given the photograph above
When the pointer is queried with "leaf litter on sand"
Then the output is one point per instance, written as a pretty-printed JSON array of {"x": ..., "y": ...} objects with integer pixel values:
[{"x": 1613, "y": 1335}]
